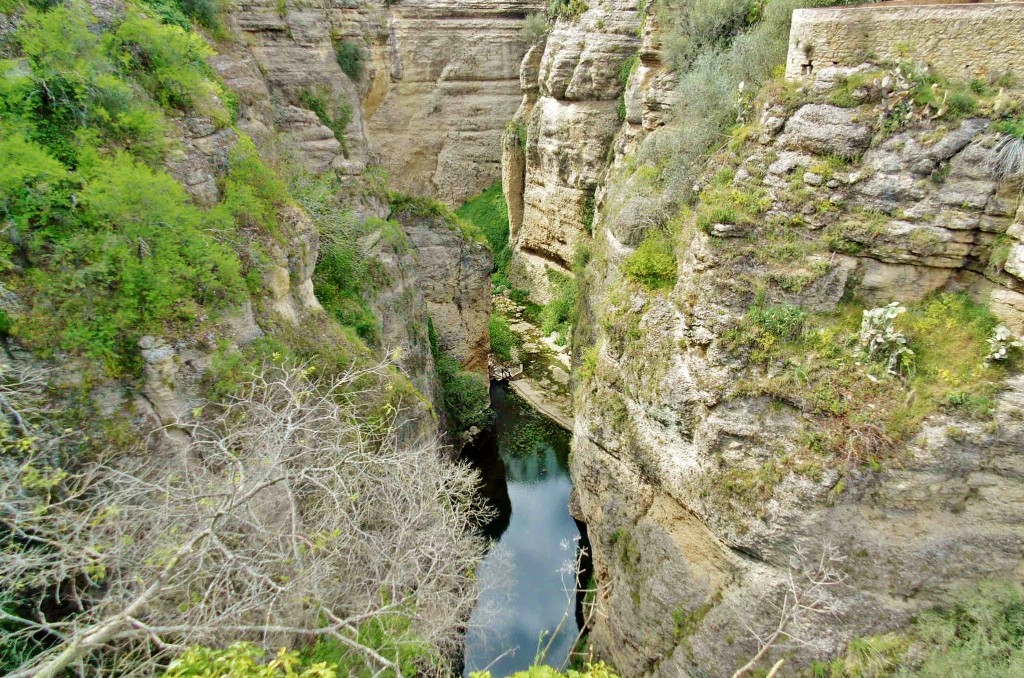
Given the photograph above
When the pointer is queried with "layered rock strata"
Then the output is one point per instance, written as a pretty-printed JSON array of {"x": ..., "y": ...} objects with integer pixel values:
[
  {"x": 673, "y": 436},
  {"x": 436, "y": 122},
  {"x": 559, "y": 144}
]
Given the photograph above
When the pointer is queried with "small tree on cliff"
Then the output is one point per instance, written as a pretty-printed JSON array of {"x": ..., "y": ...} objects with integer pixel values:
[{"x": 292, "y": 512}]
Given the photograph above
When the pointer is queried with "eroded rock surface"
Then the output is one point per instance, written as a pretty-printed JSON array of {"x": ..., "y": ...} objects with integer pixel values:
[{"x": 692, "y": 480}]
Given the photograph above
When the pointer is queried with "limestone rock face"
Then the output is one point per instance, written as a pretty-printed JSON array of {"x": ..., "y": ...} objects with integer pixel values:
[
  {"x": 671, "y": 433},
  {"x": 436, "y": 122},
  {"x": 453, "y": 276},
  {"x": 201, "y": 158},
  {"x": 572, "y": 109},
  {"x": 285, "y": 57}
]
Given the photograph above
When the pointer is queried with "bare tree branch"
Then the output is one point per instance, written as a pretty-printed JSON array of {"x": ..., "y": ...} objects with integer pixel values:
[{"x": 293, "y": 512}]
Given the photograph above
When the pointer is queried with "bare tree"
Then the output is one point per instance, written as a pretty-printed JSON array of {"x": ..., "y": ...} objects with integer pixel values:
[
  {"x": 810, "y": 588},
  {"x": 293, "y": 513}
]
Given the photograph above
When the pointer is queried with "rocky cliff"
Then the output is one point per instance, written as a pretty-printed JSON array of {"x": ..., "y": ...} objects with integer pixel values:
[
  {"x": 436, "y": 122},
  {"x": 278, "y": 62},
  {"x": 729, "y": 430},
  {"x": 560, "y": 139}
]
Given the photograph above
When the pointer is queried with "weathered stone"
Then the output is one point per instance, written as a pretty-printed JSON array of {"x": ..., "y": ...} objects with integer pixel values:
[{"x": 827, "y": 130}]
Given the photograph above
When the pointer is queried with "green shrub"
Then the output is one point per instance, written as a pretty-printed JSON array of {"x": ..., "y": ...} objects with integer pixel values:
[
  {"x": 598, "y": 670},
  {"x": 559, "y": 314},
  {"x": 692, "y": 26},
  {"x": 426, "y": 208},
  {"x": 111, "y": 247},
  {"x": 653, "y": 264},
  {"x": 350, "y": 58},
  {"x": 567, "y": 9},
  {"x": 340, "y": 282},
  {"x": 535, "y": 27},
  {"x": 861, "y": 410},
  {"x": 170, "y": 64},
  {"x": 116, "y": 271},
  {"x": 335, "y": 117},
  {"x": 466, "y": 394},
  {"x": 503, "y": 339},
  {"x": 980, "y": 634},
  {"x": 488, "y": 212}
]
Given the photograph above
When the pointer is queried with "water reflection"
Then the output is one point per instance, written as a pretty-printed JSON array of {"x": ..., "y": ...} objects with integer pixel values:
[{"x": 524, "y": 462}]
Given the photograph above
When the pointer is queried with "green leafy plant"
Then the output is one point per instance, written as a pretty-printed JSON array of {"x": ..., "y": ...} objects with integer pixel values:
[
  {"x": 466, "y": 394},
  {"x": 653, "y": 264},
  {"x": 350, "y": 58},
  {"x": 503, "y": 340}
]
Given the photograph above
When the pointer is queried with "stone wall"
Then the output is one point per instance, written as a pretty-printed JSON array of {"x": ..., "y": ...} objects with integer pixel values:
[{"x": 962, "y": 41}]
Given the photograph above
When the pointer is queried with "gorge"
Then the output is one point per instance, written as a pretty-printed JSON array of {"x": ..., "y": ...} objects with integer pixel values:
[{"x": 274, "y": 272}]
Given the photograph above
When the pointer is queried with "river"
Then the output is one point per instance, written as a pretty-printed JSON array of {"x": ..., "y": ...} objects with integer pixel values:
[{"x": 527, "y": 578}]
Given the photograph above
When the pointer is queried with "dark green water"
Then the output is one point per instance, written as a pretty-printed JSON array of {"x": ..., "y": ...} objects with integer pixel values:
[{"x": 529, "y": 584}]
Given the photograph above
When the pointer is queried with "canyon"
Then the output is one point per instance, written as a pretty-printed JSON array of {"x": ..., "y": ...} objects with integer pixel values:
[{"x": 735, "y": 447}]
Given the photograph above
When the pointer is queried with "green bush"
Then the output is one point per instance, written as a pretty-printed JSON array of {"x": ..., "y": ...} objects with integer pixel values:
[
  {"x": 488, "y": 212},
  {"x": 690, "y": 27},
  {"x": 653, "y": 264},
  {"x": 110, "y": 246},
  {"x": 169, "y": 62},
  {"x": 350, "y": 58},
  {"x": 503, "y": 339},
  {"x": 112, "y": 270},
  {"x": 598, "y": 670},
  {"x": 335, "y": 117},
  {"x": 340, "y": 282},
  {"x": 559, "y": 314},
  {"x": 466, "y": 394},
  {"x": 980, "y": 634},
  {"x": 567, "y": 9}
]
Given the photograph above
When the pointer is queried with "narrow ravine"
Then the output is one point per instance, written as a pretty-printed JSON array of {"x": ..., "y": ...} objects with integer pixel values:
[{"x": 529, "y": 599}]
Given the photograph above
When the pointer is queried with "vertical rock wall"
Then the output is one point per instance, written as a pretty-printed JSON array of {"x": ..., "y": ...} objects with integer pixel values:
[
  {"x": 436, "y": 122},
  {"x": 570, "y": 115}
]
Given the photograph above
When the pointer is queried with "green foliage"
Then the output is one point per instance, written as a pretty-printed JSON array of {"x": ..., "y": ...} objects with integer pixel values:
[
  {"x": 690, "y": 27},
  {"x": 1013, "y": 127},
  {"x": 559, "y": 314},
  {"x": 653, "y": 264},
  {"x": 111, "y": 248},
  {"x": 466, "y": 394},
  {"x": 390, "y": 635},
  {"x": 567, "y": 9},
  {"x": 111, "y": 270},
  {"x": 169, "y": 62},
  {"x": 335, "y": 116},
  {"x": 715, "y": 45},
  {"x": 861, "y": 411},
  {"x": 427, "y": 208},
  {"x": 723, "y": 203},
  {"x": 598, "y": 670},
  {"x": 340, "y": 281},
  {"x": 517, "y": 131},
  {"x": 503, "y": 339},
  {"x": 179, "y": 12},
  {"x": 350, "y": 58},
  {"x": 980, "y": 634},
  {"x": 245, "y": 660},
  {"x": 590, "y": 210},
  {"x": 253, "y": 193},
  {"x": 535, "y": 27},
  {"x": 626, "y": 71},
  {"x": 488, "y": 213}
]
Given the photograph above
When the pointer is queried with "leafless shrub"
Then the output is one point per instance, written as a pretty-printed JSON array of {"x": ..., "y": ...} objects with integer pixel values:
[
  {"x": 291, "y": 514},
  {"x": 810, "y": 588}
]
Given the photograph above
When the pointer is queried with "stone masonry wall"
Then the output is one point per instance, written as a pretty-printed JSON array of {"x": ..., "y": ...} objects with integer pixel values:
[{"x": 962, "y": 41}]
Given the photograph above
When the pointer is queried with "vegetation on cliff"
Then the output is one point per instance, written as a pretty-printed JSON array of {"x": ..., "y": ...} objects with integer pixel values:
[{"x": 283, "y": 484}]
